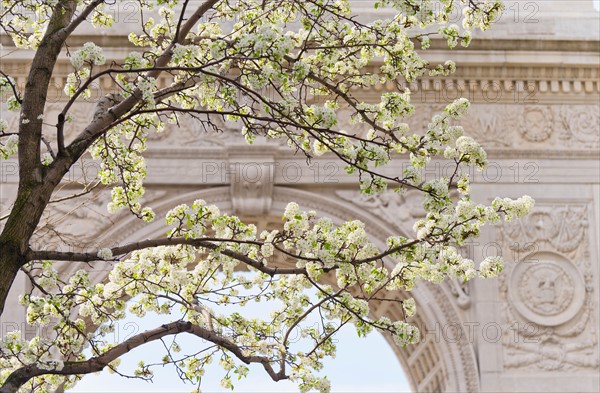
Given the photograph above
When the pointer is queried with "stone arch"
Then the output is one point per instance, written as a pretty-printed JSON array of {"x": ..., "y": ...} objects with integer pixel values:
[{"x": 436, "y": 364}]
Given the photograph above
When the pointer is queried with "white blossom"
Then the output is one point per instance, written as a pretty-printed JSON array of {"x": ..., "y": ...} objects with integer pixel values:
[
  {"x": 47, "y": 159},
  {"x": 90, "y": 53},
  {"x": 409, "y": 307},
  {"x": 9, "y": 146},
  {"x": 105, "y": 253},
  {"x": 490, "y": 267}
]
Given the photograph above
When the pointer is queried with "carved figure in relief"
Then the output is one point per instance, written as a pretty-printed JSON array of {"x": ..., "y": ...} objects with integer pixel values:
[{"x": 546, "y": 289}]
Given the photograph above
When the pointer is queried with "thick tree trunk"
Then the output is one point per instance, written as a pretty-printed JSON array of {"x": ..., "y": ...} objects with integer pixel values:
[
  {"x": 14, "y": 240},
  {"x": 34, "y": 190},
  {"x": 9, "y": 267}
]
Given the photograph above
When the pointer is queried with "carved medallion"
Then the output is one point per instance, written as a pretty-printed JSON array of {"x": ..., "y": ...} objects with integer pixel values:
[
  {"x": 536, "y": 124},
  {"x": 549, "y": 291}
]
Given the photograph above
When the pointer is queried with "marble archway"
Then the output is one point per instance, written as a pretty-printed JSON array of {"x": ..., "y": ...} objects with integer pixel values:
[{"x": 434, "y": 364}]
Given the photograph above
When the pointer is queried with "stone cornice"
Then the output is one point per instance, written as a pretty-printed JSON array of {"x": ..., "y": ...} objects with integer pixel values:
[
  {"x": 494, "y": 82},
  {"x": 502, "y": 69},
  {"x": 484, "y": 43}
]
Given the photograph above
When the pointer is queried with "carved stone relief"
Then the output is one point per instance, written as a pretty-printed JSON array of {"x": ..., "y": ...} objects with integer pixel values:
[
  {"x": 547, "y": 293},
  {"x": 580, "y": 127},
  {"x": 558, "y": 127},
  {"x": 563, "y": 228},
  {"x": 469, "y": 376},
  {"x": 397, "y": 209},
  {"x": 251, "y": 185},
  {"x": 78, "y": 223},
  {"x": 527, "y": 126},
  {"x": 487, "y": 127},
  {"x": 535, "y": 123},
  {"x": 460, "y": 291}
]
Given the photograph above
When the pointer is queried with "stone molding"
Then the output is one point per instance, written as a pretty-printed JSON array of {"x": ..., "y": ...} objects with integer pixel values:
[
  {"x": 492, "y": 82},
  {"x": 505, "y": 130}
]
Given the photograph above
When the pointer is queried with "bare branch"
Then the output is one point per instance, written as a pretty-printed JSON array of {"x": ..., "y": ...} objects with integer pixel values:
[
  {"x": 123, "y": 250},
  {"x": 207, "y": 243},
  {"x": 12, "y": 86},
  {"x": 99, "y": 125},
  {"x": 20, "y": 376}
]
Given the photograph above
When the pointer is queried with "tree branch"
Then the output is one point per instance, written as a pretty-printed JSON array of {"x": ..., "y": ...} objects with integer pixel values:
[
  {"x": 99, "y": 125},
  {"x": 20, "y": 376},
  {"x": 207, "y": 243},
  {"x": 201, "y": 243},
  {"x": 59, "y": 28}
]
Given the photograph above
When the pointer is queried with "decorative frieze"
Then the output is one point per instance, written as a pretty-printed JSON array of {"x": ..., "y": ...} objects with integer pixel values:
[
  {"x": 579, "y": 126},
  {"x": 511, "y": 127},
  {"x": 558, "y": 127},
  {"x": 488, "y": 82}
]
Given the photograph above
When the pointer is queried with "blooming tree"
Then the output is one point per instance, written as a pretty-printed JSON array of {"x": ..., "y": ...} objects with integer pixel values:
[{"x": 221, "y": 57}]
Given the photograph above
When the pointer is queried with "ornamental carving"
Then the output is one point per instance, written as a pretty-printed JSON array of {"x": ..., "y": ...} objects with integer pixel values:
[
  {"x": 527, "y": 126},
  {"x": 562, "y": 227},
  {"x": 397, "y": 209},
  {"x": 536, "y": 123},
  {"x": 547, "y": 291},
  {"x": 251, "y": 185},
  {"x": 580, "y": 125},
  {"x": 495, "y": 125},
  {"x": 460, "y": 291},
  {"x": 487, "y": 127},
  {"x": 468, "y": 370}
]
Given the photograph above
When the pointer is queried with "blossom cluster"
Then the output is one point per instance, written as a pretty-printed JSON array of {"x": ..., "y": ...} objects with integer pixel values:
[
  {"x": 9, "y": 146},
  {"x": 120, "y": 153},
  {"x": 490, "y": 267},
  {"x": 90, "y": 53},
  {"x": 7, "y": 94},
  {"x": 6, "y": 86}
]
